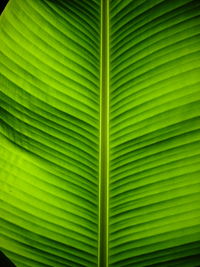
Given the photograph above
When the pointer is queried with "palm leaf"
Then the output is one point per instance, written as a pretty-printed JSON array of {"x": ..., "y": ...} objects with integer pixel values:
[{"x": 100, "y": 133}]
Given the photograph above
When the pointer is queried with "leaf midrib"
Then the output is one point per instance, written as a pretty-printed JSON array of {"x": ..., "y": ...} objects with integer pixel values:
[{"x": 104, "y": 137}]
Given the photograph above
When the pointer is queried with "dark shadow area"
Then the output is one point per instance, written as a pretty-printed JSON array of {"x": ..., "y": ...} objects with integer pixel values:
[
  {"x": 3, "y": 3},
  {"x": 5, "y": 262},
  {"x": 190, "y": 261}
]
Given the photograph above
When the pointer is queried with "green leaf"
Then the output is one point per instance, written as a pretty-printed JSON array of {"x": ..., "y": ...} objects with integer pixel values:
[{"x": 99, "y": 133}]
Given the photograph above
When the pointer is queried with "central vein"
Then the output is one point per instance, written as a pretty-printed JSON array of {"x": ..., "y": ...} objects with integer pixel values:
[{"x": 104, "y": 136}]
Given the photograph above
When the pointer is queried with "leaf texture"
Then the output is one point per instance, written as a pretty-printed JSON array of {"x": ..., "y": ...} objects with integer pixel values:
[
  {"x": 49, "y": 132},
  {"x": 59, "y": 138},
  {"x": 154, "y": 133}
]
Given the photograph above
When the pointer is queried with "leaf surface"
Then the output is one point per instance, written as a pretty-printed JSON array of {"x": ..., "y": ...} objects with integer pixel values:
[{"x": 99, "y": 133}]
